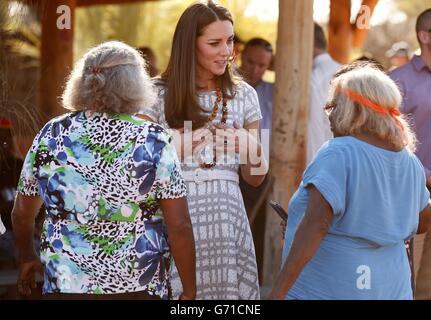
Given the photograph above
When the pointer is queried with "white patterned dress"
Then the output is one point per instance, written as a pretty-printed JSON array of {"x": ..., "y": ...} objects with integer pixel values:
[{"x": 225, "y": 256}]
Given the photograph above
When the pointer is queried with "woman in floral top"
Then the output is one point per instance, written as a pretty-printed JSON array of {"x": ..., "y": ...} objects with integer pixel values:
[{"x": 112, "y": 187}]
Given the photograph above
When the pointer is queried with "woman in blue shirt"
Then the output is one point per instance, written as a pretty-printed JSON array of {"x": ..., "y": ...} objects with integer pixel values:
[{"x": 360, "y": 199}]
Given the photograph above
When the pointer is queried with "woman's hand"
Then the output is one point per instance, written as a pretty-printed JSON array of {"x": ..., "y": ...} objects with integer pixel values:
[
  {"x": 27, "y": 275},
  {"x": 190, "y": 143},
  {"x": 234, "y": 140},
  {"x": 245, "y": 142}
]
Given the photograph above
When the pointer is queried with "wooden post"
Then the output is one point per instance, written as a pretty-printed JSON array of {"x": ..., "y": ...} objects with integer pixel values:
[
  {"x": 290, "y": 115},
  {"x": 339, "y": 27},
  {"x": 56, "y": 57},
  {"x": 343, "y": 35}
]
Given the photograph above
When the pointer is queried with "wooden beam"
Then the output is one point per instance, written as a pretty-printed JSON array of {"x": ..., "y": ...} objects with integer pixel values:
[
  {"x": 290, "y": 117},
  {"x": 56, "y": 57},
  {"x": 339, "y": 30},
  {"x": 343, "y": 35},
  {"x": 86, "y": 3},
  {"x": 360, "y": 34}
]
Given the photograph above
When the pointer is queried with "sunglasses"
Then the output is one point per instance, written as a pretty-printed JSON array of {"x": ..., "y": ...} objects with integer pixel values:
[{"x": 329, "y": 107}]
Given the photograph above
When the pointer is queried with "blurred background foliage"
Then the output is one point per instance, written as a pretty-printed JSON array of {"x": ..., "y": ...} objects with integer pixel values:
[{"x": 152, "y": 24}]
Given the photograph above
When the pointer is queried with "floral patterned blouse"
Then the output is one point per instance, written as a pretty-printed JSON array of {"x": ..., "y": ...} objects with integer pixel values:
[{"x": 100, "y": 177}]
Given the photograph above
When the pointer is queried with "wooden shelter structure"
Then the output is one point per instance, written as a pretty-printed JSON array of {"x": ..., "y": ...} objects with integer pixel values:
[
  {"x": 293, "y": 69},
  {"x": 344, "y": 35},
  {"x": 57, "y": 49}
]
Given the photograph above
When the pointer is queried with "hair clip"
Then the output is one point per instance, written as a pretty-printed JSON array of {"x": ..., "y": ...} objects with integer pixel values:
[{"x": 96, "y": 70}]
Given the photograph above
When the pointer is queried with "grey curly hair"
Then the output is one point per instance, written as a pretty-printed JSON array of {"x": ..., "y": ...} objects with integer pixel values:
[{"x": 109, "y": 78}]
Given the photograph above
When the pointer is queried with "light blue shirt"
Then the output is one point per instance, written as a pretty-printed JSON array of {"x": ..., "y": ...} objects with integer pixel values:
[{"x": 376, "y": 196}]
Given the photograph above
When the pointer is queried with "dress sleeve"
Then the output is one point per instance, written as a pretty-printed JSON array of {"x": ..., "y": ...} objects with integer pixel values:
[
  {"x": 252, "y": 111},
  {"x": 169, "y": 179},
  {"x": 328, "y": 173}
]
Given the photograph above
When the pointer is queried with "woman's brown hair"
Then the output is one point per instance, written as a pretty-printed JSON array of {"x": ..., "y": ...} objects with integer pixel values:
[{"x": 181, "y": 103}]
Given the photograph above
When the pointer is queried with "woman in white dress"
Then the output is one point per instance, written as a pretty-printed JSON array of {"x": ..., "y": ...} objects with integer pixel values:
[{"x": 199, "y": 86}]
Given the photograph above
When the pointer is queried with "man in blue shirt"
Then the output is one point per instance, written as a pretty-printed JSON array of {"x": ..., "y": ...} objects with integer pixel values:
[
  {"x": 256, "y": 58},
  {"x": 414, "y": 81}
]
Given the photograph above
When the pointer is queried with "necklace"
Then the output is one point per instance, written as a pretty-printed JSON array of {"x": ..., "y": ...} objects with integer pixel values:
[
  {"x": 224, "y": 110},
  {"x": 219, "y": 98}
]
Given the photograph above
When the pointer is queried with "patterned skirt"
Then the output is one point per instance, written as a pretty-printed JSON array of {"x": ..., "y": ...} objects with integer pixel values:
[{"x": 225, "y": 257}]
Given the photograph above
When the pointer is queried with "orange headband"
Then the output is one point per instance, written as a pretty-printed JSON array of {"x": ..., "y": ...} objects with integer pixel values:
[
  {"x": 5, "y": 123},
  {"x": 393, "y": 112}
]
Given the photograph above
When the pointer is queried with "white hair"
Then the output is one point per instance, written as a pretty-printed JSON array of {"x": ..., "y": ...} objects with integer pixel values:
[
  {"x": 109, "y": 78},
  {"x": 349, "y": 117}
]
